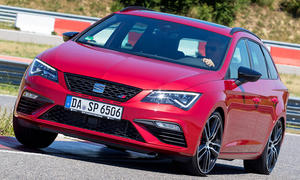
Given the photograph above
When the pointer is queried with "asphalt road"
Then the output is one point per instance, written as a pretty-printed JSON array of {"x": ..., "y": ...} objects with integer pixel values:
[
  {"x": 72, "y": 159},
  {"x": 69, "y": 159},
  {"x": 7, "y": 103}
]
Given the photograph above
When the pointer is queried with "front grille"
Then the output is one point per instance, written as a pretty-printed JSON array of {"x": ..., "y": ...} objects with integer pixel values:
[
  {"x": 113, "y": 91},
  {"x": 121, "y": 128},
  {"x": 167, "y": 136},
  {"x": 28, "y": 106}
]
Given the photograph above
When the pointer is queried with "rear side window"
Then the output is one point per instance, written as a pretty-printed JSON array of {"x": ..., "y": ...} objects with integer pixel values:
[
  {"x": 239, "y": 58},
  {"x": 271, "y": 66},
  {"x": 258, "y": 59}
]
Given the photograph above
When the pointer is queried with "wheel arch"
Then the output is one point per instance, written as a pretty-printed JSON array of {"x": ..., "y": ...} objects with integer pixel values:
[
  {"x": 219, "y": 107},
  {"x": 283, "y": 120},
  {"x": 222, "y": 113}
]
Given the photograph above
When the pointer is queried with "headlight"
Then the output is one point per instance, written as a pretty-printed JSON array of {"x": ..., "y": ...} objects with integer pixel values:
[
  {"x": 183, "y": 100},
  {"x": 39, "y": 68}
]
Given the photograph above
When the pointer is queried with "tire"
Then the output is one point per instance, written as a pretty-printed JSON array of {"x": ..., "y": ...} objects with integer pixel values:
[
  {"x": 32, "y": 138},
  {"x": 115, "y": 148},
  {"x": 266, "y": 162},
  {"x": 209, "y": 148}
]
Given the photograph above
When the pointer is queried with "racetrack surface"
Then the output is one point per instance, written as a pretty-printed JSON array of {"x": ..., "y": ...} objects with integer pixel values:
[
  {"x": 72, "y": 159},
  {"x": 69, "y": 158},
  {"x": 7, "y": 101}
]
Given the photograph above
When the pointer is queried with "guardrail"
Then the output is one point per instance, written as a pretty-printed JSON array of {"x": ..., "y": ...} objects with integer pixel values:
[
  {"x": 9, "y": 14},
  {"x": 293, "y": 111},
  {"x": 281, "y": 44},
  {"x": 12, "y": 72}
]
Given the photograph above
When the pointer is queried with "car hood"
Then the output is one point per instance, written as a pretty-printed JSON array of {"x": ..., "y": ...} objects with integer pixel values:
[{"x": 145, "y": 73}]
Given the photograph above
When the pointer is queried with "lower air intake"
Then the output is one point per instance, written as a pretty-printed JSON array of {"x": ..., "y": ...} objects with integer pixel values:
[
  {"x": 122, "y": 128},
  {"x": 28, "y": 106}
]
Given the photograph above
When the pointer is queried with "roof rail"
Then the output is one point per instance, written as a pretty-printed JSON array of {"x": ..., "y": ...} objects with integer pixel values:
[
  {"x": 132, "y": 8},
  {"x": 239, "y": 29}
]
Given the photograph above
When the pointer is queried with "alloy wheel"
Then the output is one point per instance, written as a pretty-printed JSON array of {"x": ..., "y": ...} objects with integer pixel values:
[
  {"x": 274, "y": 145},
  {"x": 209, "y": 148}
]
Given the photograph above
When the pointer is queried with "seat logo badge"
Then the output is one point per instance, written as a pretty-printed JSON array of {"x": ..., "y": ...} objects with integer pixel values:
[{"x": 99, "y": 88}]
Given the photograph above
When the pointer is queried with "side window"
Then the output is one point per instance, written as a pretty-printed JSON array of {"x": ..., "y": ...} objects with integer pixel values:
[
  {"x": 239, "y": 58},
  {"x": 133, "y": 36},
  {"x": 258, "y": 59},
  {"x": 271, "y": 66}
]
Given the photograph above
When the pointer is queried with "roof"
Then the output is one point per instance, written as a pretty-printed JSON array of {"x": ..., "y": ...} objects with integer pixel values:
[
  {"x": 218, "y": 28},
  {"x": 181, "y": 20}
]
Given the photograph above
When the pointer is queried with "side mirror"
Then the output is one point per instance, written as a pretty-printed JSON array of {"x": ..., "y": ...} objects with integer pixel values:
[
  {"x": 246, "y": 75},
  {"x": 69, "y": 35}
]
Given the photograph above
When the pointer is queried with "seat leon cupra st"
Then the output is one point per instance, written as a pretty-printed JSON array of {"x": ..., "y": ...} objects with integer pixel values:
[{"x": 158, "y": 83}]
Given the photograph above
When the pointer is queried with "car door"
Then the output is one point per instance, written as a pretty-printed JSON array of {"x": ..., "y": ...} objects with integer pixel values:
[
  {"x": 241, "y": 117},
  {"x": 262, "y": 96},
  {"x": 273, "y": 94}
]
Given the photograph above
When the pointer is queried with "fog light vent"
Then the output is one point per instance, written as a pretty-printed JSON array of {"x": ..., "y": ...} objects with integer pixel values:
[
  {"x": 30, "y": 95},
  {"x": 169, "y": 126},
  {"x": 31, "y": 102},
  {"x": 166, "y": 132}
]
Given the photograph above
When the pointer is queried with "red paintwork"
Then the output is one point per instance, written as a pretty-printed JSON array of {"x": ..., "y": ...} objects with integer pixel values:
[{"x": 247, "y": 124}]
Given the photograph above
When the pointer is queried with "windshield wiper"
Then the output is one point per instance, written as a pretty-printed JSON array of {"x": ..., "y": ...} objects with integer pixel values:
[
  {"x": 88, "y": 43},
  {"x": 154, "y": 56}
]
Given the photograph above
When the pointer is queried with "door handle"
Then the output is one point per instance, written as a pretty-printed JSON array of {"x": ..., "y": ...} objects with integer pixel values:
[
  {"x": 256, "y": 100},
  {"x": 275, "y": 101}
]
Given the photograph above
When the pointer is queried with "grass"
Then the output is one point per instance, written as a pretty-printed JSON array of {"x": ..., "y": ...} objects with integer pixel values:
[
  {"x": 7, "y": 25},
  {"x": 6, "y": 127},
  {"x": 97, "y": 8},
  {"x": 262, "y": 21},
  {"x": 9, "y": 89},
  {"x": 269, "y": 22},
  {"x": 21, "y": 49},
  {"x": 291, "y": 130},
  {"x": 292, "y": 82}
]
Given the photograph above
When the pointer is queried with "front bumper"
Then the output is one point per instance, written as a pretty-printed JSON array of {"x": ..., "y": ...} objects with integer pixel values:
[{"x": 191, "y": 122}]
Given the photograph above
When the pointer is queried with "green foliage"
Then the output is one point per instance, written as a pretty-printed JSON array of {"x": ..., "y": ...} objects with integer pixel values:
[
  {"x": 224, "y": 13},
  {"x": 203, "y": 11},
  {"x": 291, "y": 6},
  {"x": 8, "y": 88},
  {"x": 116, "y": 6},
  {"x": 219, "y": 11}
]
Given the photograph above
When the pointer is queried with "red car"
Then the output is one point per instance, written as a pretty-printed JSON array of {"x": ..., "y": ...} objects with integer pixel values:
[{"x": 156, "y": 82}]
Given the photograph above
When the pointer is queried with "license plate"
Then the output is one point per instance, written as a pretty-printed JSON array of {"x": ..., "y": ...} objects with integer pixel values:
[{"x": 94, "y": 108}]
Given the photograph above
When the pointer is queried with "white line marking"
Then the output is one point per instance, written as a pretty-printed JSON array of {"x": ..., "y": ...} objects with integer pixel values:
[
  {"x": 6, "y": 95},
  {"x": 22, "y": 152},
  {"x": 290, "y": 134}
]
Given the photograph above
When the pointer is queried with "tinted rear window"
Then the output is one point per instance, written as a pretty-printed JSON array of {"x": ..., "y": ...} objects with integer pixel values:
[
  {"x": 158, "y": 39},
  {"x": 271, "y": 66},
  {"x": 258, "y": 59}
]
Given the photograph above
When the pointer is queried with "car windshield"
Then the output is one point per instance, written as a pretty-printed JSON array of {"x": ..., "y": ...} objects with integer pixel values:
[{"x": 159, "y": 39}]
